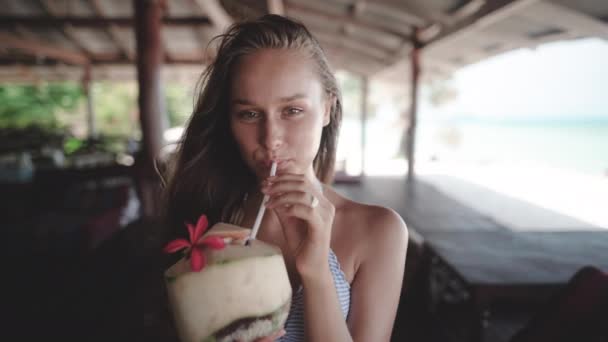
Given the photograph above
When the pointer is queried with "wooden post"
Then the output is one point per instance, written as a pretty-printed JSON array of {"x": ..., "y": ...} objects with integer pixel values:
[
  {"x": 150, "y": 55},
  {"x": 88, "y": 93},
  {"x": 411, "y": 129},
  {"x": 364, "y": 108}
]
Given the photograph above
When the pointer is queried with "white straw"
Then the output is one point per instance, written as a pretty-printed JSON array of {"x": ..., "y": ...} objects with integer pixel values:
[{"x": 258, "y": 219}]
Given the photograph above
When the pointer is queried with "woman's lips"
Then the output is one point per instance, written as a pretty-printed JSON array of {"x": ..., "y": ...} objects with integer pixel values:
[{"x": 281, "y": 163}]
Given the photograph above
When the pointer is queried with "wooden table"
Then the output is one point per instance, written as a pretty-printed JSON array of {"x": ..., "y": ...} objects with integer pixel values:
[{"x": 492, "y": 268}]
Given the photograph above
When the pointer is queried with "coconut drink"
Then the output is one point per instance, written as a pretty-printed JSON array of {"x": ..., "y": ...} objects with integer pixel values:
[{"x": 227, "y": 287}]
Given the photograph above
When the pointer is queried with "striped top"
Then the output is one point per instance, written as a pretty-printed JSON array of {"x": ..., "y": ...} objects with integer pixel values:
[{"x": 294, "y": 326}]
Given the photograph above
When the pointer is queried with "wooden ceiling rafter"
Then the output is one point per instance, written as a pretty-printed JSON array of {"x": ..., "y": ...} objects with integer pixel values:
[
  {"x": 67, "y": 29},
  {"x": 422, "y": 12},
  {"x": 112, "y": 31},
  {"x": 341, "y": 44},
  {"x": 469, "y": 15},
  {"x": 466, "y": 10},
  {"x": 348, "y": 44},
  {"x": 354, "y": 11},
  {"x": 489, "y": 14},
  {"x": 580, "y": 22},
  {"x": 38, "y": 48},
  {"x": 93, "y": 22},
  {"x": 357, "y": 39},
  {"x": 220, "y": 19},
  {"x": 203, "y": 35},
  {"x": 295, "y": 8},
  {"x": 407, "y": 17}
]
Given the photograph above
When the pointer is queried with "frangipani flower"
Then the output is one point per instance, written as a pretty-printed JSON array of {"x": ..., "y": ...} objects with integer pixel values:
[{"x": 197, "y": 257}]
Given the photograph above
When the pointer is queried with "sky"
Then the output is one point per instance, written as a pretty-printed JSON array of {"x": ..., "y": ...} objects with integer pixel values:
[{"x": 558, "y": 80}]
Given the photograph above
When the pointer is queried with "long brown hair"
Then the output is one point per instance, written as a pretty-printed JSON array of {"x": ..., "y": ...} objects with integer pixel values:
[{"x": 207, "y": 173}]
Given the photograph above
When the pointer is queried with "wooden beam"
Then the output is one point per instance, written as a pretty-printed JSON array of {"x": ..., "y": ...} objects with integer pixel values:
[
  {"x": 296, "y": 7},
  {"x": 372, "y": 44},
  {"x": 150, "y": 52},
  {"x": 408, "y": 18},
  {"x": 357, "y": 8},
  {"x": 418, "y": 9},
  {"x": 364, "y": 109},
  {"x": 113, "y": 31},
  {"x": 216, "y": 12},
  {"x": 352, "y": 44},
  {"x": 88, "y": 93},
  {"x": 413, "y": 115},
  {"x": 572, "y": 20},
  {"x": 352, "y": 50},
  {"x": 38, "y": 48},
  {"x": 276, "y": 7},
  {"x": 67, "y": 30},
  {"x": 489, "y": 14},
  {"x": 191, "y": 58},
  {"x": 94, "y": 22},
  {"x": 117, "y": 60},
  {"x": 466, "y": 10},
  {"x": 204, "y": 34}
]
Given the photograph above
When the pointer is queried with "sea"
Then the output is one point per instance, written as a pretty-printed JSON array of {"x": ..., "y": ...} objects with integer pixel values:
[{"x": 574, "y": 144}]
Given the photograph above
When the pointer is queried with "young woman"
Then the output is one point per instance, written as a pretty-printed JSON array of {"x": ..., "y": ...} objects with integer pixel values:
[{"x": 270, "y": 96}]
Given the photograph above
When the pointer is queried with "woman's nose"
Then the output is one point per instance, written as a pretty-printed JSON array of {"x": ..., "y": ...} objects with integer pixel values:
[{"x": 272, "y": 135}]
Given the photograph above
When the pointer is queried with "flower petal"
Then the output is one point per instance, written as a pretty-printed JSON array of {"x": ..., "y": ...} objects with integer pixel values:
[
  {"x": 176, "y": 245},
  {"x": 197, "y": 259},
  {"x": 215, "y": 242},
  {"x": 191, "y": 232},
  {"x": 201, "y": 226}
]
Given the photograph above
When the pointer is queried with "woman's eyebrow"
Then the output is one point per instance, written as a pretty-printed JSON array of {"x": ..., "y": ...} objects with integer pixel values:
[
  {"x": 246, "y": 102},
  {"x": 293, "y": 97}
]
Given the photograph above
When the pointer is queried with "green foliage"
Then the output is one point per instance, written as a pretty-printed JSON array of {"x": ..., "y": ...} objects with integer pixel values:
[
  {"x": 115, "y": 107},
  {"x": 25, "y": 105},
  {"x": 51, "y": 106},
  {"x": 179, "y": 104}
]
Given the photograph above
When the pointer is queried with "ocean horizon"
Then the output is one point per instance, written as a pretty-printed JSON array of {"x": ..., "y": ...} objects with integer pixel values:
[{"x": 577, "y": 144}]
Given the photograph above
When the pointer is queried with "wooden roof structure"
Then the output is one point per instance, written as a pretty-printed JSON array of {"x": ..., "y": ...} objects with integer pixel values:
[{"x": 53, "y": 39}]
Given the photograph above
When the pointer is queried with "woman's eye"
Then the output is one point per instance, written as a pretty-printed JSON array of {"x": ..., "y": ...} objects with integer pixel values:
[
  {"x": 293, "y": 111},
  {"x": 248, "y": 115}
]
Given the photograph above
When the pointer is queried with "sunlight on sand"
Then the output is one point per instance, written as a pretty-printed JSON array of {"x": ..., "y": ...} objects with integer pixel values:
[{"x": 578, "y": 198}]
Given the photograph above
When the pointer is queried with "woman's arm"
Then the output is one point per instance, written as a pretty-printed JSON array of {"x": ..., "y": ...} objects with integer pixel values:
[{"x": 377, "y": 284}]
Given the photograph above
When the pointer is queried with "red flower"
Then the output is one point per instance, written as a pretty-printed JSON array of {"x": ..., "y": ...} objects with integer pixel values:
[{"x": 197, "y": 257}]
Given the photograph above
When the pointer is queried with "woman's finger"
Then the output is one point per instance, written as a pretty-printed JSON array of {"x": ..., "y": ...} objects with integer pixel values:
[
  {"x": 290, "y": 198},
  {"x": 301, "y": 211},
  {"x": 285, "y": 186}
]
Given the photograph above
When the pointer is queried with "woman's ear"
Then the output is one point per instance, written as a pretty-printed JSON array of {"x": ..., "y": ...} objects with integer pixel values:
[{"x": 329, "y": 104}]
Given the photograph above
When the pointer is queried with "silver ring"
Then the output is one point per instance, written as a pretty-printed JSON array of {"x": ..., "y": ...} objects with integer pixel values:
[{"x": 315, "y": 202}]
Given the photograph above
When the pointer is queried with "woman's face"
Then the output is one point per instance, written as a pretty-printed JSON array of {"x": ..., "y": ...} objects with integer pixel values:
[{"x": 277, "y": 111}]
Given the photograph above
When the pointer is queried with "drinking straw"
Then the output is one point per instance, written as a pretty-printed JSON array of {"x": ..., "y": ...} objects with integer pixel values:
[{"x": 258, "y": 219}]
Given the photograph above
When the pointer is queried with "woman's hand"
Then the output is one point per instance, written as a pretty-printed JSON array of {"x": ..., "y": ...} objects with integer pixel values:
[{"x": 306, "y": 217}]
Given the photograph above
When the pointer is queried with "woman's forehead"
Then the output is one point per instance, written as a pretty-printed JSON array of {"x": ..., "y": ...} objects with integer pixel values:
[{"x": 280, "y": 72}]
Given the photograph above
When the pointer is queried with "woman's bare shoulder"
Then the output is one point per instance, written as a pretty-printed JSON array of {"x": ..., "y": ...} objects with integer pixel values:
[
  {"x": 374, "y": 220},
  {"x": 371, "y": 226}
]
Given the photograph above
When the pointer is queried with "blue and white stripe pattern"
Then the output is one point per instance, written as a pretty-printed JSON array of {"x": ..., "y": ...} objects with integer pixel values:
[{"x": 294, "y": 326}]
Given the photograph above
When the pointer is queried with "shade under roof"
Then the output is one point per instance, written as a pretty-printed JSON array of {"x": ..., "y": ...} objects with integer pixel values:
[{"x": 51, "y": 40}]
